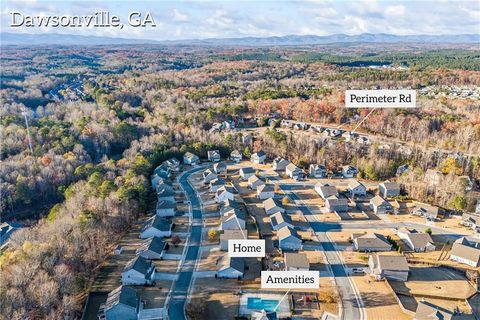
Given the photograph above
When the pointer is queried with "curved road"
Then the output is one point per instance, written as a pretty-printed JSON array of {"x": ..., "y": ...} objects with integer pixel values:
[{"x": 181, "y": 287}]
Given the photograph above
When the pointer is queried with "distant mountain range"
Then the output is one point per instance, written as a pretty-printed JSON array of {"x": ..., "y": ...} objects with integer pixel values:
[{"x": 289, "y": 40}]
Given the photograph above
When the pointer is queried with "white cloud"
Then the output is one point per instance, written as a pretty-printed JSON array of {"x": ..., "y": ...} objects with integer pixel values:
[
  {"x": 179, "y": 17},
  {"x": 394, "y": 11}
]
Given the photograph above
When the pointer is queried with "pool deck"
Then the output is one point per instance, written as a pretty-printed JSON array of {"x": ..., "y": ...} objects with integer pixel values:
[{"x": 283, "y": 309}]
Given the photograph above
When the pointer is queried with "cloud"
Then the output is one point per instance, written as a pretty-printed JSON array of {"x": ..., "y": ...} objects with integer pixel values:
[
  {"x": 395, "y": 11},
  {"x": 179, "y": 17}
]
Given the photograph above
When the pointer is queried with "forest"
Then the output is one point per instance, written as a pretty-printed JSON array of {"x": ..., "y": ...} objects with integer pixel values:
[{"x": 100, "y": 119}]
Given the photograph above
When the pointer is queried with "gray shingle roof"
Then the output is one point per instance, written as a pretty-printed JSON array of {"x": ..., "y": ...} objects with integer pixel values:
[{"x": 124, "y": 295}]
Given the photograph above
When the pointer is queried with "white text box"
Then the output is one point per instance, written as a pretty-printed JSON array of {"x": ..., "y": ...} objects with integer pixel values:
[
  {"x": 246, "y": 248},
  {"x": 290, "y": 279},
  {"x": 380, "y": 98}
]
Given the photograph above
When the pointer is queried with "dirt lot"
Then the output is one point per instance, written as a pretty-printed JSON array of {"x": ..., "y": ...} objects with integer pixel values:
[{"x": 209, "y": 260}]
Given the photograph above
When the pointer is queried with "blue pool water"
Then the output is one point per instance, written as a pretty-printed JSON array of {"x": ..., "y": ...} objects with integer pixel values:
[{"x": 261, "y": 304}]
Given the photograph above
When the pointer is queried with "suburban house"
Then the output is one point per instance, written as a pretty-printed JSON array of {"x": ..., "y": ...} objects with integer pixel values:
[
  {"x": 230, "y": 268},
  {"x": 280, "y": 164},
  {"x": 318, "y": 171},
  {"x": 152, "y": 248},
  {"x": 165, "y": 208},
  {"x": 190, "y": 158},
  {"x": 294, "y": 172},
  {"x": 216, "y": 184},
  {"x": 166, "y": 194},
  {"x": 466, "y": 252},
  {"x": 326, "y": 191},
  {"x": 236, "y": 156},
  {"x": 229, "y": 205},
  {"x": 209, "y": 175},
  {"x": 254, "y": 182},
  {"x": 416, "y": 241},
  {"x": 425, "y": 210},
  {"x": 296, "y": 262},
  {"x": 139, "y": 271},
  {"x": 380, "y": 206},
  {"x": 265, "y": 191},
  {"x": 356, "y": 189},
  {"x": 224, "y": 193},
  {"x": 370, "y": 242},
  {"x": 246, "y": 172},
  {"x": 213, "y": 155},
  {"x": 392, "y": 267},
  {"x": 6, "y": 231},
  {"x": 471, "y": 220},
  {"x": 163, "y": 184},
  {"x": 259, "y": 157},
  {"x": 428, "y": 311},
  {"x": 349, "y": 136},
  {"x": 389, "y": 189},
  {"x": 288, "y": 239},
  {"x": 349, "y": 172},
  {"x": 231, "y": 235},
  {"x": 334, "y": 204},
  {"x": 233, "y": 221},
  {"x": 122, "y": 303},
  {"x": 163, "y": 171},
  {"x": 272, "y": 206},
  {"x": 173, "y": 164},
  {"x": 220, "y": 168},
  {"x": 156, "y": 227},
  {"x": 279, "y": 220}
]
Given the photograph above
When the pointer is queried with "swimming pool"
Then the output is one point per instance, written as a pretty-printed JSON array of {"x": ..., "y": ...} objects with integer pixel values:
[{"x": 261, "y": 304}]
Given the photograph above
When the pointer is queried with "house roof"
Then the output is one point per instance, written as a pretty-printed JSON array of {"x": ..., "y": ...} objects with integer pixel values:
[
  {"x": 391, "y": 262},
  {"x": 265, "y": 188},
  {"x": 233, "y": 234},
  {"x": 279, "y": 160},
  {"x": 286, "y": 232},
  {"x": 354, "y": 183},
  {"x": 337, "y": 202},
  {"x": 419, "y": 240},
  {"x": 165, "y": 205},
  {"x": 466, "y": 249},
  {"x": 253, "y": 179},
  {"x": 372, "y": 240},
  {"x": 217, "y": 182},
  {"x": 139, "y": 264},
  {"x": 327, "y": 190},
  {"x": 235, "y": 263},
  {"x": 236, "y": 214},
  {"x": 165, "y": 192},
  {"x": 378, "y": 201},
  {"x": 318, "y": 167},
  {"x": 219, "y": 165},
  {"x": 231, "y": 203},
  {"x": 391, "y": 185},
  {"x": 260, "y": 153},
  {"x": 235, "y": 153},
  {"x": 348, "y": 167},
  {"x": 429, "y": 311},
  {"x": 224, "y": 188},
  {"x": 154, "y": 244},
  {"x": 213, "y": 153},
  {"x": 271, "y": 203},
  {"x": 190, "y": 155},
  {"x": 158, "y": 223},
  {"x": 279, "y": 218},
  {"x": 245, "y": 170},
  {"x": 296, "y": 260},
  {"x": 292, "y": 167},
  {"x": 124, "y": 295}
]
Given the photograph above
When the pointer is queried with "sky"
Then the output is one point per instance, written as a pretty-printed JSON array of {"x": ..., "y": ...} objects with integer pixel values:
[{"x": 177, "y": 20}]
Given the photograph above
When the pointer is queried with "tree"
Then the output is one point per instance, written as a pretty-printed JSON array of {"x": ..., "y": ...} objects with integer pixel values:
[
  {"x": 176, "y": 240},
  {"x": 458, "y": 203},
  {"x": 196, "y": 309},
  {"x": 212, "y": 234},
  {"x": 428, "y": 231},
  {"x": 285, "y": 200}
]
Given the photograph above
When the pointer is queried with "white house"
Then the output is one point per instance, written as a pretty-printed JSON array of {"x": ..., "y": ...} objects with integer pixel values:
[
  {"x": 156, "y": 227},
  {"x": 393, "y": 267},
  {"x": 165, "y": 209},
  {"x": 152, "y": 248},
  {"x": 231, "y": 235},
  {"x": 166, "y": 194},
  {"x": 139, "y": 271},
  {"x": 162, "y": 184},
  {"x": 121, "y": 303},
  {"x": 230, "y": 268},
  {"x": 236, "y": 156},
  {"x": 233, "y": 221},
  {"x": 254, "y": 182},
  {"x": 279, "y": 220},
  {"x": 326, "y": 191},
  {"x": 265, "y": 191},
  {"x": 370, "y": 242},
  {"x": 246, "y": 172},
  {"x": 466, "y": 252},
  {"x": 380, "y": 206},
  {"x": 259, "y": 157},
  {"x": 288, "y": 239},
  {"x": 416, "y": 241},
  {"x": 220, "y": 168},
  {"x": 334, "y": 204},
  {"x": 296, "y": 262},
  {"x": 349, "y": 172},
  {"x": 163, "y": 171},
  {"x": 280, "y": 164},
  {"x": 190, "y": 158},
  {"x": 356, "y": 189},
  {"x": 173, "y": 164},
  {"x": 318, "y": 171},
  {"x": 294, "y": 172},
  {"x": 224, "y": 193},
  {"x": 208, "y": 176},
  {"x": 389, "y": 189},
  {"x": 272, "y": 206},
  {"x": 216, "y": 184},
  {"x": 213, "y": 155}
]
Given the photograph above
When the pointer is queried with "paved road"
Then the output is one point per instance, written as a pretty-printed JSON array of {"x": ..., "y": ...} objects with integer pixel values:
[
  {"x": 180, "y": 290},
  {"x": 351, "y": 301}
]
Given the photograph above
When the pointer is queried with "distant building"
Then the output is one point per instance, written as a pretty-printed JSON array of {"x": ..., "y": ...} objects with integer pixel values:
[
  {"x": 380, "y": 206},
  {"x": 356, "y": 189},
  {"x": 231, "y": 268},
  {"x": 318, "y": 171},
  {"x": 231, "y": 235},
  {"x": 333, "y": 204},
  {"x": 220, "y": 168},
  {"x": 279, "y": 164},
  {"x": 259, "y": 157},
  {"x": 156, "y": 227},
  {"x": 370, "y": 242},
  {"x": 152, "y": 248},
  {"x": 246, "y": 173},
  {"x": 236, "y": 156},
  {"x": 272, "y": 206},
  {"x": 416, "y": 241},
  {"x": 429, "y": 311},
  {"x": 349, "y": 172},
  {"x": 265, "y": 191},
  {"x": 190, "y": 158},
  {"x": 279, "y": 220},
  {"x": 326, "y": 191},
  {"x": 139, "y": 271},
  {"x": 165, "y": 209},
  {"x": 389, "y": 189},
  {"x": 288, "y": 239},
  {"x": 213, "y": 155},
  {"x": 296, "y": 262},
  {"x": 224, "y": 193},
  {"x": 254, "y": 182},
  {"x": 122, "y": 303},
  {"x": 466, "y": 251},
  {"x": 392, "y": 267}
]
